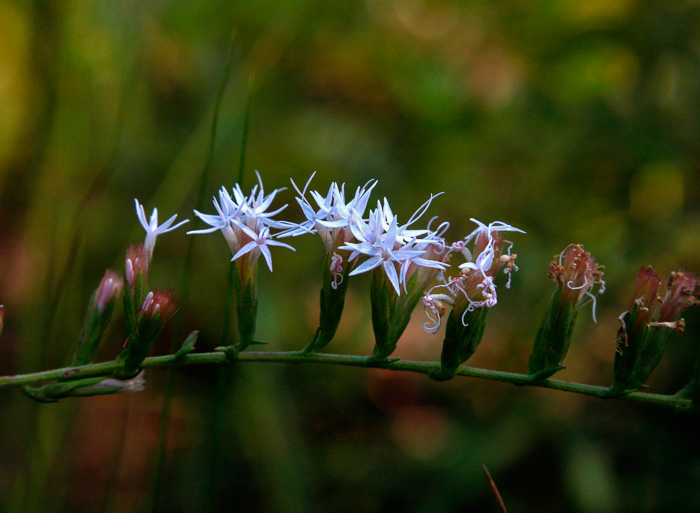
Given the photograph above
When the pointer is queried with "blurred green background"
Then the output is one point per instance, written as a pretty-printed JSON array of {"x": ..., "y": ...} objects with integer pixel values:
[{"x": 575, "y": 120}]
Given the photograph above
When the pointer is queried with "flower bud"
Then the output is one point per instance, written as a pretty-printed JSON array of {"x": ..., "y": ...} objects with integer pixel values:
[
  {"x": 102, "y": 304},
  {"x": 156, "y": 309},
  {"x": 136, "y": 266},
  {"x": 578, "y": 278},
  {"x": 648, "y": 326}
]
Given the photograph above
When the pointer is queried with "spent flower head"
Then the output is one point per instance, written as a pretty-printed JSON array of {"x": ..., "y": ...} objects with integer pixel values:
[
  {"x": 475, "y": 287},
  {"x": 649, "y": 325},
  {"x": 578, "y": 275}
]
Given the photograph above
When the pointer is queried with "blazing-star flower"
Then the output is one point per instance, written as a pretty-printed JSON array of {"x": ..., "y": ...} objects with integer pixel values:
[
  {"x": 470, "y": 294},
  {"x": 404, "y": 261},
  {"x": 152, "y": 228},
  {"x": 332, "y": 218},
  {"x": 474, "y": 287},
  {"x": 395, "y": 248},
  {"x": 259, "y": 244},
  {"x": 246, "y": 225}
]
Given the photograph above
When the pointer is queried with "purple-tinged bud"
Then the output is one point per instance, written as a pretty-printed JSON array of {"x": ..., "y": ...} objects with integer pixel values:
[
  {"x": 648, "y": 326},
  {"x": 102, "y": 304},
  {"x": 159, "y": 305},
  {"x": 578, "y": 277},
  {"x": 109, "y": 290},
  {"x": 136, "y": 266},
  {"x": 156, "y": 309}
]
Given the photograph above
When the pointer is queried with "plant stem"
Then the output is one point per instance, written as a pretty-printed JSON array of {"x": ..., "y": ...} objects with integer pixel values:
[{"x": 221, "y": 358}]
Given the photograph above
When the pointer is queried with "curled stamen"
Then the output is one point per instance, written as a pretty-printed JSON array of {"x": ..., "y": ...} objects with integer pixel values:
[
  {"x": 457, "y": 246},
  {"x": 437, "y": 304},
  {"x": 570, "y": 284},
  {"x": 432, "y": 324},
  {"x": 337, "y": 270}
]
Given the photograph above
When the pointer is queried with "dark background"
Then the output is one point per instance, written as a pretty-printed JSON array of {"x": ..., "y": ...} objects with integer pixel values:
[{"x": 575, "y": 120}]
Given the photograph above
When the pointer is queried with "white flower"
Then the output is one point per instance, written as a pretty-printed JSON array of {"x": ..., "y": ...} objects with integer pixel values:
[
  {"x": 245, "y": 222},
  {"x": 254, "y": 206},
  {"x": 226, "y": 213},
  {"x": 437, "y": 304},
  {"x": 332, "y": 215},
  {"x": 386, "y": 246},
  {"x": 259, "y": 244},
  {"x": 152, "y": 228}
]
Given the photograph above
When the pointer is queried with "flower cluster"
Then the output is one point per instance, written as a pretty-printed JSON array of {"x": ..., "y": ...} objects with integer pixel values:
[
  {"x": 245, "y": 223},
  {"x": 401, "y": 252},
  {"x": 404, "y": 259},
  {"x": 474, "y": 287},
  {"x": 470, "y": 294}
]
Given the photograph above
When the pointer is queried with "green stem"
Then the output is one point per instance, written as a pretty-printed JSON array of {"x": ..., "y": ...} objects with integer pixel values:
[{"x": 221, "y": 358}]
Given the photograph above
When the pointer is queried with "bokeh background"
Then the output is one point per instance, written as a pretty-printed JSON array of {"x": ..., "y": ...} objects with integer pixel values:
[{"x": 575, "y": 120}]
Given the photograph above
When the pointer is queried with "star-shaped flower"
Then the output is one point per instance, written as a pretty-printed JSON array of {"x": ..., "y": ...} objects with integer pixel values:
[
  {"x": 152, "y": 228},
  {"x": 260, "y": 242}
]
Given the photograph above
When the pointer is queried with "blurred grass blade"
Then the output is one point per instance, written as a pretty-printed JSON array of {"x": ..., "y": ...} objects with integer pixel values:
[
  {"x": 495, "y": 491},
  {"x": 157, "y": 478}
]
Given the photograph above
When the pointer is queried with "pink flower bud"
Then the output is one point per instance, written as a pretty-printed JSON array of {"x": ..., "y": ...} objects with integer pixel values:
[
  {"x": 159, "y": 302},
  {"x": 137, "y": 263},
  {"x": 109, "y": 290}
]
